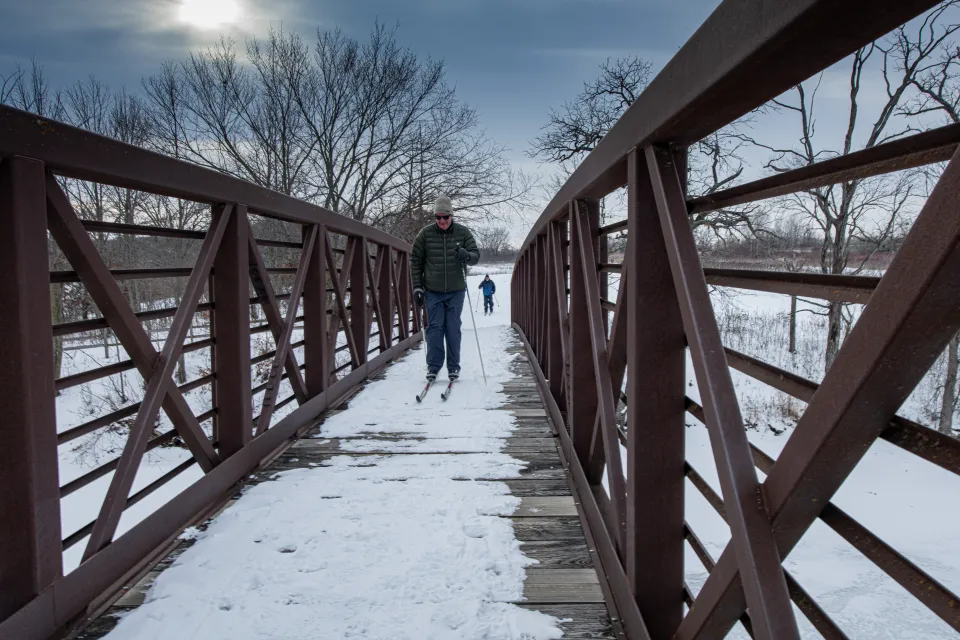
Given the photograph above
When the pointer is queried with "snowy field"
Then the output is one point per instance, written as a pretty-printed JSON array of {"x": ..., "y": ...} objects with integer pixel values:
[
  {"x": 909, "y": 503},
  {"x": 407, "y": 546}
]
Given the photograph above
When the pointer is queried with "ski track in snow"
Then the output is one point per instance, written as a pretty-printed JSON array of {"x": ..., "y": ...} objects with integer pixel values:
[{"x": 376, "y": 546}]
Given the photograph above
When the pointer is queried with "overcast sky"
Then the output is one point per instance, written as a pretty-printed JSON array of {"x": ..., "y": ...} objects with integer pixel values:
[
  {"x": 509, "y": 59},
  {"x": 512, "y": 60}
]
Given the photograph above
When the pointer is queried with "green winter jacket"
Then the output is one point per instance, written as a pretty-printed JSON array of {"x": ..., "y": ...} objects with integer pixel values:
[{"x": 433, "y": 265}]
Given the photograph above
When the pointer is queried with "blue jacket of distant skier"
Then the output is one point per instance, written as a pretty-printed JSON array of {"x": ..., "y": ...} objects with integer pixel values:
[{"x": 488, "y": 287}]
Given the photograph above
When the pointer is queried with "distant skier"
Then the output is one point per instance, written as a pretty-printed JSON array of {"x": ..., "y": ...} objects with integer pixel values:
[
  {"x": 489, "y": 288},
  {"x": 439, "y": 254}
]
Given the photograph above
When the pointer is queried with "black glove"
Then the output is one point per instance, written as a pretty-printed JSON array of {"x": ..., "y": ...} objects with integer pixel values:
[
  {"x": 462, "y": 255},
  {"x": 418, "y": 296}
]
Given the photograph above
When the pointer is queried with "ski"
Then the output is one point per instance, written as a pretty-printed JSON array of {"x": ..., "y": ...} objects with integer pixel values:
[
  {"x": 424, "y": 392},
  {"x": 446, "y": 393}
]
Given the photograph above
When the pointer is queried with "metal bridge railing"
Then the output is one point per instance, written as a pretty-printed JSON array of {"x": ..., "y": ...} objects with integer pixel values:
[
  {"x": 348, "y": 284},
  {"x": 745, "y": 54}
]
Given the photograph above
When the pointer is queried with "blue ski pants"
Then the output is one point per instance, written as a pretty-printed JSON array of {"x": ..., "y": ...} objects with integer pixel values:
[{"x": 443, "y": 321}]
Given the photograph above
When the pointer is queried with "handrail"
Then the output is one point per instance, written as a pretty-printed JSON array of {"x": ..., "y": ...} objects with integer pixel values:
[
  {"x": 613, "y": 373},
  {"x": 307, "y": 320},
  {"x": 75, "y": 153}
]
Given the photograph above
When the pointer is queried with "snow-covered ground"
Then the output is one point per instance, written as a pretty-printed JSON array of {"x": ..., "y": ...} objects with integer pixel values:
[
  {"x": 908, "y": 502},
  {"x": 405, "y": 546}
]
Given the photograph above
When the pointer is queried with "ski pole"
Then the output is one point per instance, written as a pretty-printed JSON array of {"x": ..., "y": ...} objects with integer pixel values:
[
  {"x": 475, "y": 334},
  {"x": 478, "y": 304}
]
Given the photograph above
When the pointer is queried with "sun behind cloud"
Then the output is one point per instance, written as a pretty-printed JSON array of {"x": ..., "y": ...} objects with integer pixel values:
[{"x": 209, "y": 14}]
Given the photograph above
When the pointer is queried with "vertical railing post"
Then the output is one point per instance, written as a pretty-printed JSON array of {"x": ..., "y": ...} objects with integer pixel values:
[
  {"x": 403, "y": 295},
  {"x": 593, "y": 217},
  {"x": 583, "y": 386},
  {"x": 315, "y": 347},
  {"x": 532, "y": 296},
  {"x": 359, "y": 310},
  {"x": 527, "y": 301},
  {"x": 603, "y": 256},
  {"x": 532, "y": 290},
  {"x": 545, "y": 294},
  {"x": 655, "y": 401},
  {"x": 407, "y": 276},
  {"x": 537, "y": 297},
  {"x": 231, "y": 333},
  {"x": 563, "y": 230},
  {"x": 554, "y": 345},
  {"x": 526, "y": 291},
  {"x": 385, "y": 295},
  {"x": 30, "y": 548},
  {"x": 513, "y": 295},
  {"x": 521, "y": 289},
  {"x": 517, "y": 308}
]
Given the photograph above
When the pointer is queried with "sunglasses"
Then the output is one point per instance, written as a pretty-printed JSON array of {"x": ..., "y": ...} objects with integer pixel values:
[{"x": 443, "y": 217}]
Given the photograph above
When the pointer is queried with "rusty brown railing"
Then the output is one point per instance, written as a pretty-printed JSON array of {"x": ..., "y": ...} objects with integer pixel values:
[
  {"x": 336, "y": 298},
  {"x": 745, "y": 54}
]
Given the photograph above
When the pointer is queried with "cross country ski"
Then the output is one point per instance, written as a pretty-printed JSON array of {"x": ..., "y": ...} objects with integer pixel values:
[
  {"x": 423, "y": 393},
  {"x": 446, "y": 393}
]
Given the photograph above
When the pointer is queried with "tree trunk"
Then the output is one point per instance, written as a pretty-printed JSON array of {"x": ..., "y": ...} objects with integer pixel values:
[
  {"x": 182, "y": 361},
  {"x": 793, "y": 324},
  {"x": 949, "y": 387},
  {"x": 834, "y": 332},
  {"x": 56, "y": 313},
  {"x": 182, "y": 369}
]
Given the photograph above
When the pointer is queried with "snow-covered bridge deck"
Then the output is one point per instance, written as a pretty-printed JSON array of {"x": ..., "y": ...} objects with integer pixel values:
[{"x": 392, "y": 520}]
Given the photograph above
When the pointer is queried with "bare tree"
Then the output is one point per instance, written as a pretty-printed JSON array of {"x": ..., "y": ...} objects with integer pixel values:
[
  {"x": 390, "y": 133},
  {"x": 365, "y": 129},
  {"x": 87, "y": 105},
  {"x": 29, "y": 90},
  {"x": 127, "y": 121},
  {"x": 864, "y": 213},
  {"x": 577, "y": 127},
  {"x": 494, "y": 242},
  {"x": 938, "y": 87},
  {"x": 216, "y": 111}
]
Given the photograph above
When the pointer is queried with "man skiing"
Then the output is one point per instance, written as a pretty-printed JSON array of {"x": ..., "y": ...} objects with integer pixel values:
[
  {"x": 489, "y": 288},
  {"x": 439, "y": 256}
]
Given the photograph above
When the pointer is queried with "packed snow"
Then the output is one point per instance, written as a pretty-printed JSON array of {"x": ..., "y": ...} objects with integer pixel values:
[{"x": 374, "y": 546}]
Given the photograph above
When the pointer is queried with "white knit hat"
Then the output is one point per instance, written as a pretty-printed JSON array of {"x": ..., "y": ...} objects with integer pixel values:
[{"x": 443, "y": 205}]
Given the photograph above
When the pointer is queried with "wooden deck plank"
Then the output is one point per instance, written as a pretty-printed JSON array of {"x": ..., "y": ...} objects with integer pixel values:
[
  {"x": 559, "y": 554},
  {"x": 561, "y": 593},
  {"x": 540, "y": 487},
  {"x": 537, "y": 575},
  {"x": 579, "y": 621},
  {"x": 555, "y": 528},
  {"x": 544, "y": 506}
]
